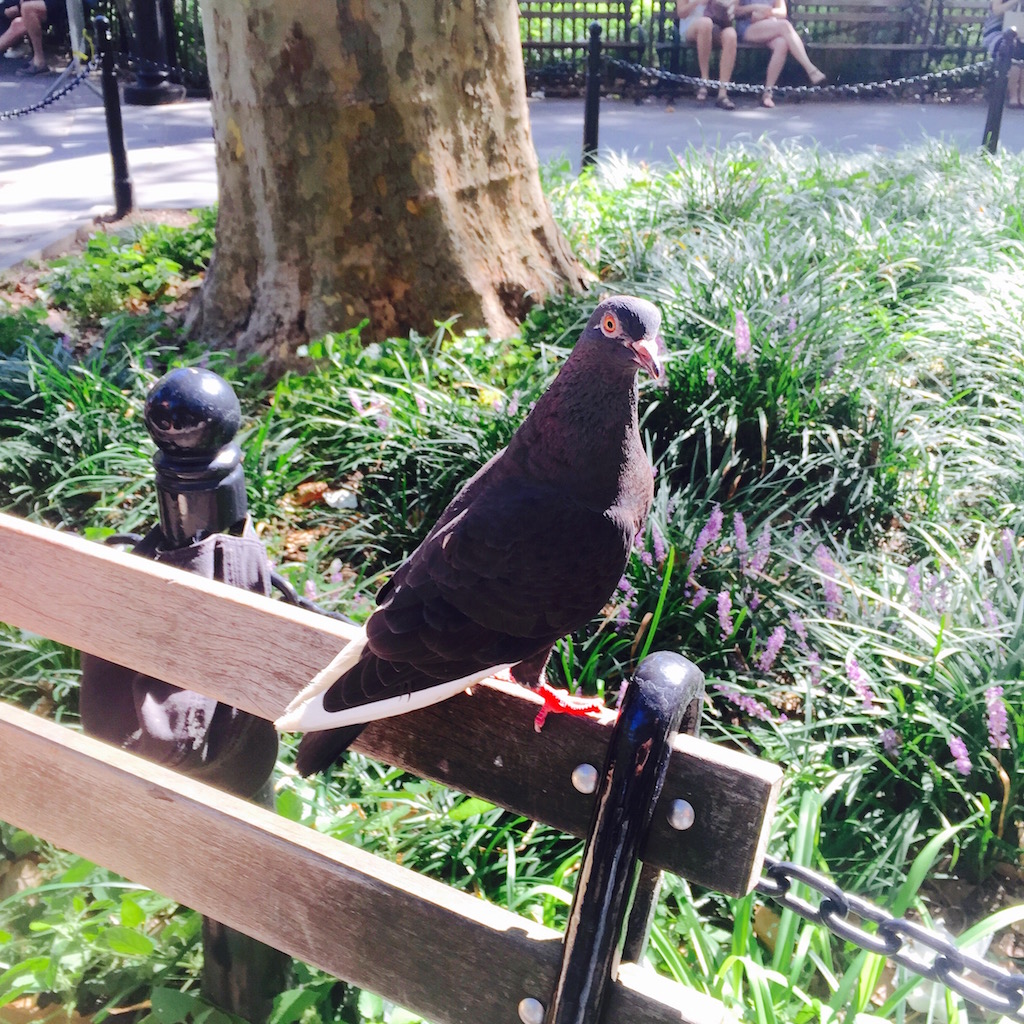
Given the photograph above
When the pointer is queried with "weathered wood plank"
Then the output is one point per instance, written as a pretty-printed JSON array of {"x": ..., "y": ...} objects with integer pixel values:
[
  {"x": 445, "y": 954},
  {"x": 249, "y": 651},
  {"x": 484, "y": 743},
  {"x": 256, "y": 653}
]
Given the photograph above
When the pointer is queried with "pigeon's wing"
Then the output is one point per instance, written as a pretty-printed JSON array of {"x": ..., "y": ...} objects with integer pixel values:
[
  {"x": 524, "y": 561},
  {"x": 500, "y": 582}
]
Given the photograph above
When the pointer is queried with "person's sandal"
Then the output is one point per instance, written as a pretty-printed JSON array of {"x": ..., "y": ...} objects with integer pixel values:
[
  {"x": 702, "y": 94},
  {"x": 33, "y": 69},
  {"x": 725, "y": 103}
]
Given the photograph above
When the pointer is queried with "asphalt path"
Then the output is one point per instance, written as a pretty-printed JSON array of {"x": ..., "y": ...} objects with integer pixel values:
[{"x": 56, "y": 174}]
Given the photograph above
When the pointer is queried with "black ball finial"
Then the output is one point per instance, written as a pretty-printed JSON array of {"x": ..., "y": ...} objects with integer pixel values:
[
  {"x": 192, "y": 412},
  {"x": 192, "y": 415}
]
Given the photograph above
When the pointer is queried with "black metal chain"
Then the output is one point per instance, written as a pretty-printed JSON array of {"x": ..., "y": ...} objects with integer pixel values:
[
  {"x": 57, "y": 94},
  {"x": 956, "y": 75},
  {"x": 843, "y": 914},
  {"x": 131, "y": 62}
]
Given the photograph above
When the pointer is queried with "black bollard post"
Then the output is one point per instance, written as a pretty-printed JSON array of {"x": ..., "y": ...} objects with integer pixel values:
[
  {"x": 153, "y": 85},
  {"x": 664, "y": 686},
  {"x": 592, "y": 102},
  {"x": 997, "y": 97},
  {"x": 193, "y": 416},
  {"x": 123, "y": 197}
]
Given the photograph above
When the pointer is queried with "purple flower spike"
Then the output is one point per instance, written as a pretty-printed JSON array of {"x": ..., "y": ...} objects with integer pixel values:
[
  {"x": 998, "y": 737},
  {"x": 658, "y": 545},
  {"x": 739, "y": 528},
  {"x": 752, "y": 707},
  {"x": 725, "y": 613},
  {"x": 1009, "y": 543},
  {"x": 860, "y": 683},
  {"x": 961, "y": 759},
  {"x": 743, "y": 353},
  {"x": 891, "y": 741},
  {"x": 772, "y": 648},
  {"x": 827, "y": 568},
  {"x": 764, "y": 548},
  {"x": 711, "y": 532},
  {"x": 914, "y": 587},
  {"x": 798, "y": 626}
]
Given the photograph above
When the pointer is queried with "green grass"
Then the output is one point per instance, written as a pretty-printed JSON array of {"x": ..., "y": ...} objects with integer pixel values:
[{"x": 836, "y": 537}]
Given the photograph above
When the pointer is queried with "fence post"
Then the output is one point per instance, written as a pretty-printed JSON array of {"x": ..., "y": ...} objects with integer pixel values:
[
  {"x": 193, "y": 416},
  {"x": 151, "y": 45},
  {"x": 592, "y": 101},
  {"x": 997, "y": 97},
  {"x": 664, "y": 687},
  {"x": 123, "y": 196}
]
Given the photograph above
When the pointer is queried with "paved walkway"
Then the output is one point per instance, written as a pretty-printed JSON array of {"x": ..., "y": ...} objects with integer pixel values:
[{"x": 55, "y": 171}]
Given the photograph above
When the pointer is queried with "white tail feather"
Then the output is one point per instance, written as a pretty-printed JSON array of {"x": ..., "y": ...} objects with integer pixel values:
[
  {"x": 306, "y": 712},
  {"x": 293, "y": 718}
]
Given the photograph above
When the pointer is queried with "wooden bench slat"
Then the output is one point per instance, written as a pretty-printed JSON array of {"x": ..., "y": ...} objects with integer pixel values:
[
  {"x": 382, "y": 927},
  {"x": 256, "y": 653}
]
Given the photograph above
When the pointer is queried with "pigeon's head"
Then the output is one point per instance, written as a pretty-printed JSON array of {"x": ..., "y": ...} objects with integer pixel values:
[{"x": 629, "y": 331}]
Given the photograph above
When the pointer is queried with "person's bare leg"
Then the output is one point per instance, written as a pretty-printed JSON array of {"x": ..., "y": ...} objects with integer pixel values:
[
  {"x": 1014, "y": 85},
  {"x": 728, "y": 62},
  {"x": 33, "y": 13},
  {"x": 14, "y": 34},
  {"x": 799, "y": 51},
  {"x": 780, "y": 51},
  {"x": 700, "y": 34},
  {"x": 769, "y": 29}
]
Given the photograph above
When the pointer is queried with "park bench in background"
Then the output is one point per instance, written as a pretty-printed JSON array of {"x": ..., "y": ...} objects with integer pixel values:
[
  {"x": 865, "y": 40},
  {"x": 850, "y": 40}
]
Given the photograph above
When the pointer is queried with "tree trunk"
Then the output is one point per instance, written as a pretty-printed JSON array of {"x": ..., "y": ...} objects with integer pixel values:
[{"x": 375, "y": 162}]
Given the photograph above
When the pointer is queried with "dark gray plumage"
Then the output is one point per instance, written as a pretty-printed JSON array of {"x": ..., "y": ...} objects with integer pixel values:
[{"x": 529, "y": 550}]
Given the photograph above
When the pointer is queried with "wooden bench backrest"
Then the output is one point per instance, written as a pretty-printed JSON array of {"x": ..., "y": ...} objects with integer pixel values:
[
  {"x": 834, "y": 21},
  {"x": 857, "y": 21}
]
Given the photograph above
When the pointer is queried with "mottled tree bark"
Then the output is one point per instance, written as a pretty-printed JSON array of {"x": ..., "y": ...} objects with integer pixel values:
[{"x": 375, "y": 162}]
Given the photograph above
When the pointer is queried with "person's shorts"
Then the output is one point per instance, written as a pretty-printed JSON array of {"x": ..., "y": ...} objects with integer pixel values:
[
  {"x": 685, "y": 23},
  {"x": 56, "y": 12}
]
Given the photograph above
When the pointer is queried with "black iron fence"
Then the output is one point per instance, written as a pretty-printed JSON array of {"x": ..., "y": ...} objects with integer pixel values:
[
  {"x": 179, "y": 23},
  {"x": 879, "y": 38},
  {"x": 852, "y": 40}
]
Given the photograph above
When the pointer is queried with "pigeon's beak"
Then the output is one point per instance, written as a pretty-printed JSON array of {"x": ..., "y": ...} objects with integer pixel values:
[{"x": 647, "y": 353}]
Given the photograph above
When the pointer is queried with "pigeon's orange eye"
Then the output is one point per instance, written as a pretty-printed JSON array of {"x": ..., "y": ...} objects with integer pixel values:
[{"x": 610, "y": 325}]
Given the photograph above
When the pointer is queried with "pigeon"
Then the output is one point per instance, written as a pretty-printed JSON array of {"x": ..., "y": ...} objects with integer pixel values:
[{"x": 529, "y": 550}]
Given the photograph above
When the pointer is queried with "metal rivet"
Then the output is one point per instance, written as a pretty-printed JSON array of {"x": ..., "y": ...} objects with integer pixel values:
[
  {"x": 531, "y": 1011},
  {"x": 584, "y": 778},
  {"x": 681, "y": 815}
]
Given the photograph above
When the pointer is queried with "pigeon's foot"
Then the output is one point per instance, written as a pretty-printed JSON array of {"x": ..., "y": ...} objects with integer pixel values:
[{"x": 562, "y": 702}]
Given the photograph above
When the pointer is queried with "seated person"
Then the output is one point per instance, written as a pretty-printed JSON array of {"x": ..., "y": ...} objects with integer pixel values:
[
  {"x": 765, "y": 21},
  {"x": 696, "y": 27},
  {"x": 992, "y": 37},
  {"x": 28, "y": 18}
]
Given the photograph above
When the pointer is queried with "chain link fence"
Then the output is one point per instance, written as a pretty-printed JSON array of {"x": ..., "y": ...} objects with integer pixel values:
[
  {"x": 974, "y": 74},
  {"x": 896, "y": 938},
  {"x": 57, "y": 94}
]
